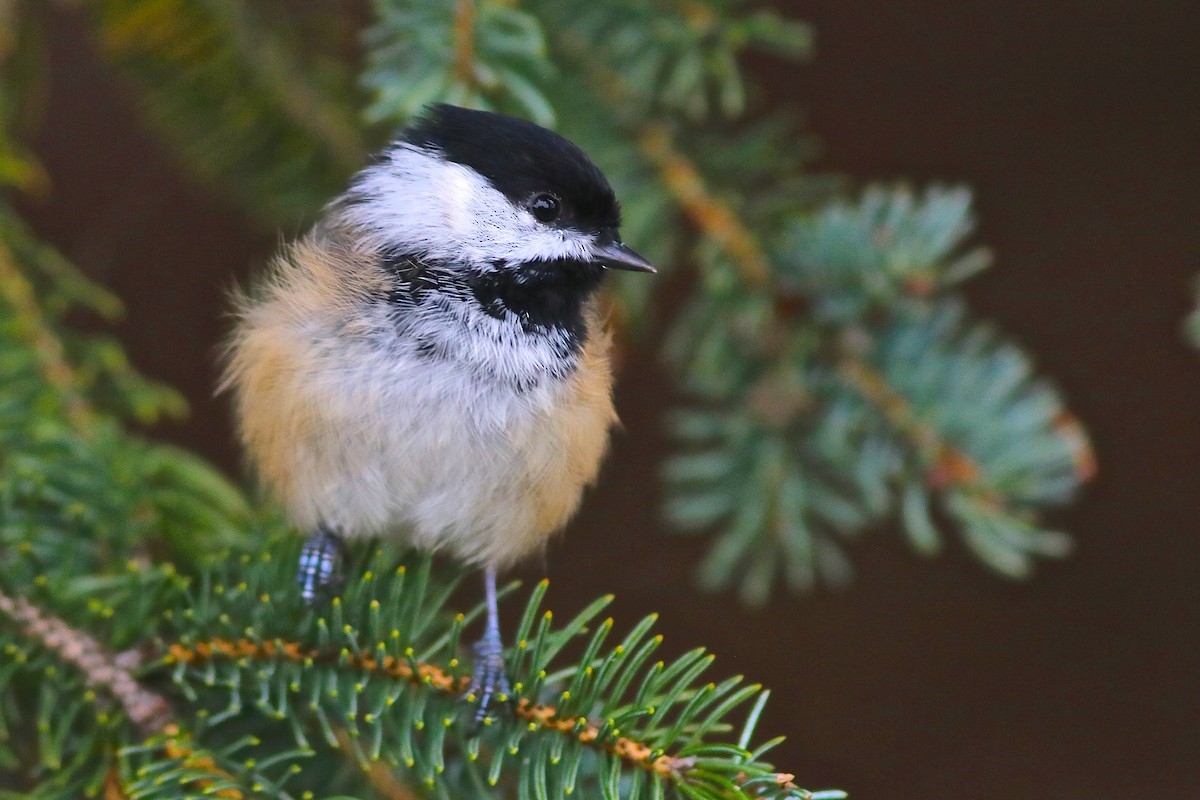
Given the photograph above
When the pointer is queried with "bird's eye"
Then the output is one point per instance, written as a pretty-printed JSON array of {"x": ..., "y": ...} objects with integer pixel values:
[{"x": 545, "y": 207}]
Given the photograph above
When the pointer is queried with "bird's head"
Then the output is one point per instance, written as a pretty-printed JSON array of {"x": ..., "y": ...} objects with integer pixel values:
[{"x": 492, "y": 195}]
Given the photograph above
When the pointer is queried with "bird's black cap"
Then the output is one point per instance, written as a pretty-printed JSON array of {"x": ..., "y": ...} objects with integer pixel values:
[{"x": 521, "y": 160}]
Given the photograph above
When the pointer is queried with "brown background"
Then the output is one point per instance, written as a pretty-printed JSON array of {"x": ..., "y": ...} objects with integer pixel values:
[{"x": 1077, "y": 124}]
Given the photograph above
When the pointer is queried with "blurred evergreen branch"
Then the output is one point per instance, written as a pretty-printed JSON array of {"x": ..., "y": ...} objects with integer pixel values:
[
  {"x": 808, "y": 425},
  {"x": 259, "y": 105},
  {"x": 488, "y": 55}
]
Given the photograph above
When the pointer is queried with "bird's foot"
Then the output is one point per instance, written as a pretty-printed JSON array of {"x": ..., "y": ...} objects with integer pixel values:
[
  {"x": 320, "y": 570},
  {"x": 489, "y": 680}
]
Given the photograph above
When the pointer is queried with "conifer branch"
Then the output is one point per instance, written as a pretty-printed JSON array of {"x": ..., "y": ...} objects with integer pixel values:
[
  {"x": 46, "y": 346},
  {"x": 113, "y": 786},
  {"x": 715, "y": 219},
  {"x": 399, "y": 700},
  {"x": 463, "y": 67},
  {"x": 947, "y": 466},
  {"x": 244, "y": 100},
  {"x": 1071, "y": 429},
  {"x": 177, "y": 745},
  {"x": 544, "y": 717},
  {"x": 101, "y": 669},
  {"x": 381, "y": 777},
  {"x": 275, "y": 69},
  {"x": 721, "y": 224},
  {"x": 171, "y": 764},
  {"x": 771, "y": 354}
]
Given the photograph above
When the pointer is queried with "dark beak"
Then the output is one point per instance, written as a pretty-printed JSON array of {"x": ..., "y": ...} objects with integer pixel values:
[{"x": 614, "y": 255}]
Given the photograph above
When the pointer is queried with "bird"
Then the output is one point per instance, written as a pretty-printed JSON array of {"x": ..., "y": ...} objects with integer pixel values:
[{"x": 429, "y": 363}]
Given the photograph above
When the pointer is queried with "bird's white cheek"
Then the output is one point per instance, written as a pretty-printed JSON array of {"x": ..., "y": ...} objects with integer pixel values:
[
  {"x": 549, "y": 245},
  {"x": 460, "y": 206}
]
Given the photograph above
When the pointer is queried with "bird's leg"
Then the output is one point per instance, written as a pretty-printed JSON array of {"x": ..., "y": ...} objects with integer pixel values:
[
  {"x": 320, "y": 571},
  {"x": 489, "y": 679}
]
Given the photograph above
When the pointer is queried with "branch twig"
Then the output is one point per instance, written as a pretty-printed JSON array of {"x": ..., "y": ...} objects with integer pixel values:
[
  {"x": 102, "y": 670},
  {"x": 464, "y": 42},
  {"x": 715, "y": 219},
  {"x": 947, "y": 466}
]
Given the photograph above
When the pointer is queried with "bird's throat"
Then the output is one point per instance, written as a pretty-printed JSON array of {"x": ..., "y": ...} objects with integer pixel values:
[{"x": 545, "y": 297}]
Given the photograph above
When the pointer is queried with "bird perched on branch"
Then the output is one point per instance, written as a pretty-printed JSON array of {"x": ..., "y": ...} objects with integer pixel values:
[{"x": 428, "y": 363}]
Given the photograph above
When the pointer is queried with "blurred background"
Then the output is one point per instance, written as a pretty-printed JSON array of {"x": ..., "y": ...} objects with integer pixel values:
[{"x": 1076, "y": 124}]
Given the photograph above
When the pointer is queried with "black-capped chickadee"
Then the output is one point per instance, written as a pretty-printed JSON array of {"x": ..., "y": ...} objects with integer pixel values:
[{"x": 428, "y": 363}]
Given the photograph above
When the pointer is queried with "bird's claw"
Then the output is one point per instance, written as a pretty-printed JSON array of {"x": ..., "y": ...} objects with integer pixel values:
[
  {"x": 320, "y": 570},
  {"x": 489, "y": 680}
]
